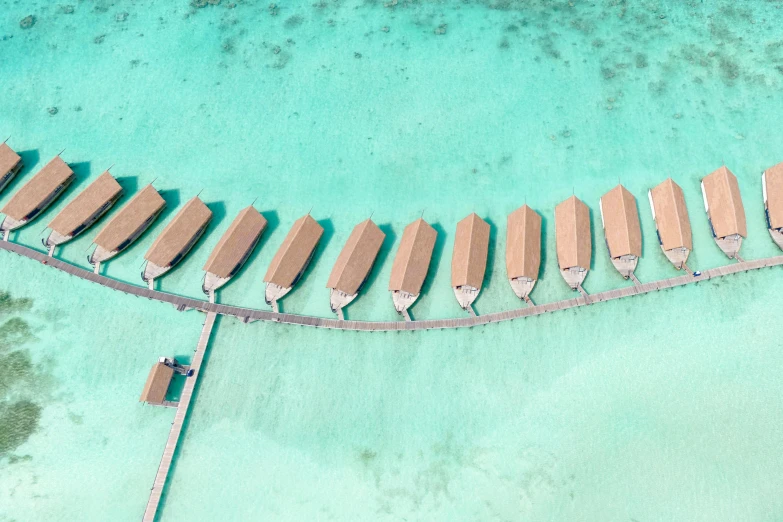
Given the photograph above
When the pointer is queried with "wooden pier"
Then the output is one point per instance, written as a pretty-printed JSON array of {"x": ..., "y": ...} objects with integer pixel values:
[
  {"x": 249, "y": 314},
  {"x": 179, "y": 420}
]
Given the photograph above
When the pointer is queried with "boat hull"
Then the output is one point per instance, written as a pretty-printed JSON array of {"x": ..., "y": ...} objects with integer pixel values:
[
  {"x": 625, "y": 265},
  {"x": 10, "y": 175},
  {"x": 677, "y": 256},
  {"x": 466, "y": 295},
  {"x": 777, "y": 236},
  {"x": 522, "y": 287},
  {"x": 339, "y": 300},
  {"x": 730, "y": 245},
  {"x": 403, "y": 300},
  {"x": 574, "y": 276},
  {"x": 212, "y": 282}
]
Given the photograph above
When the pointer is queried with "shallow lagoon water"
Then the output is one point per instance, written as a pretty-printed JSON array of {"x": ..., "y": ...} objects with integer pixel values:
[{"x": 625, "y": 409}]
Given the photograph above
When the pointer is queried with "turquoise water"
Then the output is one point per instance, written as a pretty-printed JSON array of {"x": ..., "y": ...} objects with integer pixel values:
[{"x": 662, "y": 407}]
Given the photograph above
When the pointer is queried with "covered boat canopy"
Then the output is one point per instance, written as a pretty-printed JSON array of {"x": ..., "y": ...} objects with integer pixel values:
[
  {"x": 523, "y": 243},
  {"x": 234, "y": 246},
  {"x": 572, "y": 234},
  {"x": 773, "y": 179},
  {"x": 471, "y": 246},
  {"x": 99, "y": 195},
  {"x": 9, "y": 160},
  {"x": 120, "y": 228},
  {"x": 621, "y": 223},
  {"x": 295, "y": 252},
  {"x": 179, "y": 233},
  {"x": 157, "y": 384},
  {"x": 356, "y": 258},
  {"x": 412, "y": 261},
  {"x": 724, "y": 203},
  {"x": 35, "y": 193},
  {"x": 671, "y": 215}
]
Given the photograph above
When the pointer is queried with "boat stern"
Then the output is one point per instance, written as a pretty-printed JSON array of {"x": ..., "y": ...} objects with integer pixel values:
[{"x": 574, "y": 276}]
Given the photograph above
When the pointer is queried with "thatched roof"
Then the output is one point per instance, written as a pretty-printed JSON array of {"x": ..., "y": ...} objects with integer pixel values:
[
  {"x": 621, "y": 222},
  {"x": 774, "y": 181},
  {"x": 89, "y": 201},
  {"x": 293, "y": 255},
  {"x": 471, "y": 246},
  {"x": 572, "y": 234},
  {"x": 726, "y": 211},
  {"x": 129, "y": 219},
  {"x": 241, "y": 236},
  {"x": 671, "y": 215},
  {"x": 413, "y": 257},
  {"x": 523, "y": 243},
  {"x": 179, "y": 233},
  {"x": 40, "y": 188},
  {"x": 157, "y": 384},
  {"x": 8, "y": 159},
  {"x": 356, "y": 258}
]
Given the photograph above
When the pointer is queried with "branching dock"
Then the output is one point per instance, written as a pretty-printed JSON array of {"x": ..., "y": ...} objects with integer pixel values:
[
  {"x": 179, "y": 420},
  {"x": 249, "y": 314}
]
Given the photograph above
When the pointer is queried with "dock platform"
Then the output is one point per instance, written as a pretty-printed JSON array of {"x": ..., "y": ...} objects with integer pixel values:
[
  {"x": 179, "y": 419},
  {"x": 250, "y": 314}
]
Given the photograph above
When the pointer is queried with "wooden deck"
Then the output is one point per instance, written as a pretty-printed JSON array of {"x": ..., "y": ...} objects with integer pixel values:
[
  {"x": 249, "y": 314},
  {"x": 179, "y": 420}
]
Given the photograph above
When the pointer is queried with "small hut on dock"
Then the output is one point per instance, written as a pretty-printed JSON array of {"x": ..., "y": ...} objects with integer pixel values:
[
  {"x": 354, "y": 264},
  {"x": 176, "y": 240},
  {"x": 411, "y": 264},
  {"x": 127, "y": 225},
  {"x": 623, "y": 233},
  {"x": 574, "y": 243},
  {"x": 523, "y": 250},
  {"x": 10, "y": 164},
  {"x": 233, "y": 249},
  {"x": 672, "y": 224},
  {"x": 725, "y": 211},
  {"x": 292, "y": 258},
  {"x": 772, "y": 187},
  {"x": 84, "y": 210},
  {"x": 37, "y": 194},
  {"x": 469, "y": 260},
  {"x": 157, "y": 384}
]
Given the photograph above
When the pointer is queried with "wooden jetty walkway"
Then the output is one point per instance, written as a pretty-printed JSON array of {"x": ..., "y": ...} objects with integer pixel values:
[
  {"x": 179, "y": 420},
  {"x": 249, "y": 314}
]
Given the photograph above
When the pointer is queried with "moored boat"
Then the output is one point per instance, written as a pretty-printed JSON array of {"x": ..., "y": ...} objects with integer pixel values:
[
  {"x": 127, "y": 225},
  {"x": 622, "y": 231},
  {"x": 233, "y": 249},
  {"x": 291, "y": 259},
  {"x": 574, "y": 244},
  {"x": 411, "y": 264},
  {"x": 354, "y": 264},
  {"x": 10, "y": 164},
  {"x": 672, "y": 224},
  {"x": 772, "y": 188},
  {"x": 725, "y": 210},
  {"x": 176, "y": 240},
  {"x": 469, "y": 259},
  {"x": 36, "y": 195},
  {"x": 83, "y": 211},
  {"x": 523, "y": 250}
]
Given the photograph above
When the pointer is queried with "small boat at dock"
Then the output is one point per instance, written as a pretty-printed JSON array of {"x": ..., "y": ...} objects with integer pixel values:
[
  {"x": 772, "y": 188},
  {"x": 354, "y": 264},
  {"x": 233, "y": 249},
  {"x": 127, "y": 225},
  {"x": 10, "y": 165},
  {"x": 36, "y": 195},
  {"x": 574, "y": 243},
  {"x": 83, "y": 211},
  {"x": 291, "y": 259},
  {"x": 176, "y": 240},
  {"x": 725, "y": 211},
  {"x": 623, "y": 233},
  {"x": 411, "y": 264},
  {"x": 523, "y": 250},
  {"x": 469, "y": 260},
  {"x": 672, "y": 224}
]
